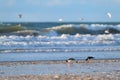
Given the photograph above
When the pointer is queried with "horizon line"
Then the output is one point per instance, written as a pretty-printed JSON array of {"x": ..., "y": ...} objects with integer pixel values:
[{"x": 61, "y": 22}]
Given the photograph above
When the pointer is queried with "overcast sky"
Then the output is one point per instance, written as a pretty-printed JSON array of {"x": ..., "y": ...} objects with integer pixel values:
[{"x": 52, "y": 10}]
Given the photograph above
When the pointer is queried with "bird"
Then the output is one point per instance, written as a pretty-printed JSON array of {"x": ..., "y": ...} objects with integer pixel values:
[
  {"x": 70, "y": 59},
  {"x": 89, "y": 58}
]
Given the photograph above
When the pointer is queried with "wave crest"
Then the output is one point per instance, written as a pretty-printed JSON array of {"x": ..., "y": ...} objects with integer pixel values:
[{"x": 85, "y": 29}]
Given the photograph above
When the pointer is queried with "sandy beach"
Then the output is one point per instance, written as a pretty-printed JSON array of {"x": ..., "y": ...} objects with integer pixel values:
[
  {"x": 61, "y": 70},
  {"x": 59, "y": 40}
]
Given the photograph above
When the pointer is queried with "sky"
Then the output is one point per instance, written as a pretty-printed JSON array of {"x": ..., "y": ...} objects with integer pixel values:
[{"x": 53, "y": 10}]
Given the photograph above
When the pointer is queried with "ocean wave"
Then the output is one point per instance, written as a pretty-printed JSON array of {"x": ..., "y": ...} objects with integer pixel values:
[
  {"x": 19, "y": 30},
  {"x": 67, "y": 37},
  {"x": 26, "y": 32},
  {"x": 70, "y": 29},
  {"x": 63, "y": 41},
  {"x": 9, "y": 29},
  {"x": 93, "y": 29}
]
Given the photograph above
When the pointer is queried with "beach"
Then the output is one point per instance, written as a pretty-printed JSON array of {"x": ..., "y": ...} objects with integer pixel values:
[
  {"x": 61, "y": 70},
  {"x": 41, "y": 51},
  {"x": 59, "y": 40}
]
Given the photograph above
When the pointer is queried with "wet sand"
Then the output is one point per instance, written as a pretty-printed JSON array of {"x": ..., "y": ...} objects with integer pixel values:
[{"x": 61, "y": 70}]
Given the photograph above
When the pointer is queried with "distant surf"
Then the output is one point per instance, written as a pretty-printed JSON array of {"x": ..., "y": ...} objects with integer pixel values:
[
  {"x": 59, "y": 37},
  {"x": 54, "y": 29},
  {"x": 92, "y": 29}
]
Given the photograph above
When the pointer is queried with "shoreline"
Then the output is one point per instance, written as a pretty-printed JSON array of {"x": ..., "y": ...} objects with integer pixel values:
[
  {"x": 80, "y": 70},
  {"x": 57, "y": 61}
]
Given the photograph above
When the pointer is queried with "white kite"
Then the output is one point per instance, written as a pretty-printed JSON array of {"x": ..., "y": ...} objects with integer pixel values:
[
  {"x": 109, "y": 15},
  {"x": 81, "y": 19}
]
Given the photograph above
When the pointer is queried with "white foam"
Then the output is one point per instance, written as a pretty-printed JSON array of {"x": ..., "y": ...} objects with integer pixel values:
[
  {"x": 61, "y": 26},
  {"x": 52, "y": 33},
  {"x": 66, "y": 41}
]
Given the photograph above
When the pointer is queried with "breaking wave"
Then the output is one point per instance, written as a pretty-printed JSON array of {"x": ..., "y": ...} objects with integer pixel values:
[
  {"x": 93, "y": 29},
  {"x": 17, "y": 30},
  {"x": 64, "y": 43},
  {"x": 71, "y": 29},
  {"x": 59, "y": 37}
]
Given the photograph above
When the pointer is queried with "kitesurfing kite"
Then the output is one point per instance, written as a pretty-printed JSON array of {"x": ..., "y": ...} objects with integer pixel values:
[
  {"x": 60, "y": 20},
  {"x": 81, "y": 19},
  {"x": 109, "y": 15},
  {"x": 20, "y": 15}
]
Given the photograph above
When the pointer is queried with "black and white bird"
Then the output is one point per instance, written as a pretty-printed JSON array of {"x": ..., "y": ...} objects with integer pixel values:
[
  {"x": 89, "y": 58},
  {"x": 70, "y": 59}
]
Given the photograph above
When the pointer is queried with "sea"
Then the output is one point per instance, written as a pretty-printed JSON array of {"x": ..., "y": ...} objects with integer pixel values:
[{"x": 34, "y": 41}]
